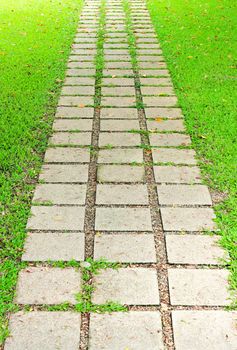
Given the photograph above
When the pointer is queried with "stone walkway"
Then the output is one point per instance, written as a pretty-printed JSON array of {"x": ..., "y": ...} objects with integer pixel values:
[{"x": 120, "y": 181}]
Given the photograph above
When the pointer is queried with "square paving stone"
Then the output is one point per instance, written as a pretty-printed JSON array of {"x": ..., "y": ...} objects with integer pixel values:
[
  {"x": 39, "y": 330},
  {"x": 149, "y": 58},
  {"x": 118, "y": 81},
  {"x": 155, "y": 82},
  {"x": 160, "y": 112},
  {"x": 113, "y": 72},
  {"x": 78, "y": 90},
  {"x": 151, "y": 65},
  {"x": 72, "y": 124},
  {"x": 80, "y": 81},
  {"x": 122, "y": 194},
  {"x": 56, "y": 218},
  {"x": 44, "y": 285},
  {"x": 169, "y": 140},
  {"x": 67, "y": 155},
  {"x": 206, "y": 329},
  {"x": 76, "y": 72},
  {"x": 122, "y": 101},
  {"x": 75, "y": 112},
  {"x": 176, "y": 156},
  {"x": 118, "y": 113},
  {"x": 119, "y": 139},
  {"x": 119, "y": 64},
  {"x": 83, "y": 66},
  {"x": 160, "y": 124},
  {"x": 118, "y": 91},
  {"x": 207, "y": 287},
  {"x": 126, "y": 155},
  {"x": 75, "y": 101},
  {"x": 60, "y": 194},
  {"x": 154, "y": 72},
  {"x": 184, "y": 195},
  {"x": 133, "y": 330},
  {"x": 169, "y": 101},
  {"x": 118, "y": 125},
  {"x": 127, "y": 248},
  {"x": 116, "y": 52},
  {"x": 123, "y": 219},
  {"x": 57, "y": 173},
  {"x": 194, "y": 249},
  {"x": 188, "y": 219},
  {"x": 120, "y": 173},
  {"x": 157, "y": 90},
  {"x": 130, "y": 286},
  {"x": 181, "y": 174},
  {"x": 71, "y": 138},
  {"x": 55, "y": 246}
]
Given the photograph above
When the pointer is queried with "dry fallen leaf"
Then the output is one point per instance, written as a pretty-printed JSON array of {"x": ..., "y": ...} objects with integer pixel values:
[{"x": 159, "y": 119}]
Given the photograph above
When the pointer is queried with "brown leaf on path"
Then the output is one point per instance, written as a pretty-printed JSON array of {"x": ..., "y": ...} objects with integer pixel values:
[{"x": 159, "y": 119}]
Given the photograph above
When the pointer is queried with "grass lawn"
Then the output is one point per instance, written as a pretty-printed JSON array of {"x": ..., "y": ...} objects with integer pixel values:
[
  {"x": 36, "y": 36},
  {"x": 198, "y": 39}
]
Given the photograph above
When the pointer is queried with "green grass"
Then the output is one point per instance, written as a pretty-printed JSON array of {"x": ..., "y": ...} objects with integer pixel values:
[
  {"x": 198, "y": 39},
  {"x": 36, "y": 36}
]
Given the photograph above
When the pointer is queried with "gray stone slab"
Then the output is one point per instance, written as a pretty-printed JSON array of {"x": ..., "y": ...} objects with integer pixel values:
[
  {"x": 122, "y": 156},
  {"x": 159, "y": 112},
  {"x": 130, "y": 286},
  {"x": 121, "y": 102},
  {"x": 72, "y": 124},
  {"x": 78, "y": 90},
  {"x": 67, "y": 155},
  {"x": 119, "y": 64},
  {"x": 71, "y": 138},
  {"x": 85, "y": 52},
  {"x": 117, "y": 72},
  {"x": 176, "y": 156},
  {"x": 84, "y": 72},
  {"x": 118, "y": 81},
  {"x": 181, "y": 174},
  {"x": 56, "y": 218},
  {"x": 123, "y": 219},
  {"x": 84, "y": 46},
  {"x": 115, "y": 45},
  {"x": 160, "y": 124},
  {"x": 85, "y": 65},
  {"x": 125, "y": 248},
  {"x": 118, "y": 113},
  {"x": 80, "y": 81},
  {"x": 119, "y": 139},
  {"x": 76, "y": 101},
  {"x": 149, "y": 58},
  {"x": 169, "y": 140},
  {"x": 118, "y": 125},
  {"x": 157, "y": 90},
  {"x": 205, "y": 329},
  {"x": 131, "y": 330},
  {"x": 194, "y": 249},
  {"x": 37, "y": 330},
  {"x": 122, "y": 194},
  {"x": 120, "y": 173},
  {"x": 58, "y": 173},
  {"x": 60, "y": 194},
  {"x": 55, "y": 246},
  {"x": 45, "y": 285},
  {"x": 151, "y": 65},
  {"x": 184, "y": 195},
  {"x": 121, "y": 58},
  {"x": 169, "y": 101},
  {"x": 118, "y": 91},
  {"x": 207, "y": 287},
  {"x": 188, "y": 219},
  {"x": 116, "y": 52},
  {"x": 75, "y": 112},
  {"x": 155, "y": 81},
  {"x": 154, "y": 72}
]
